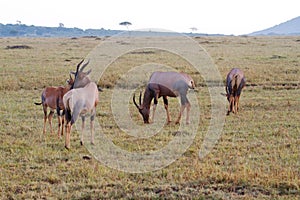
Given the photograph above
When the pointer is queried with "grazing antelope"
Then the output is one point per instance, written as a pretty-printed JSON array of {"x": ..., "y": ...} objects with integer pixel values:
[
  {"x": 165, "y": 84},
  {"x": 79, "y": 101},
  {"x": 235, "y": 82},
  {"x": 52, "y": 97}
]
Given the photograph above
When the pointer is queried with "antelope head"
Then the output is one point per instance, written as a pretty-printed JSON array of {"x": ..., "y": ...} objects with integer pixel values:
[
  {"x": 81, "y": 77},
  {"x": 145, "y": 112},
  {"x": 70, "y": 81}
]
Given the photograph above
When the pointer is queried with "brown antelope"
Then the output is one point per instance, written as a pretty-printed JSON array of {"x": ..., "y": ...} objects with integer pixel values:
[
  {"x": 79, "y": 101},
  {"x": 52, "y": 97},
  {"x": 235, "y": 82},
  {"x": 165, "y": 84}
]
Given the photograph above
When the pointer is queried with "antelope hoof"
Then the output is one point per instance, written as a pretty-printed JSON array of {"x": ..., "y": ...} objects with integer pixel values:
[
  {"x": 228, "y": 112},
  {"x": 67, "y": 147},
  {"x": 188, "y": 122},
  {"x": 169, "y": 122},
  {"x": 81, "y": 143},
  {"x": 177, "y": 122},
  {"x": 92, "y": 143}
]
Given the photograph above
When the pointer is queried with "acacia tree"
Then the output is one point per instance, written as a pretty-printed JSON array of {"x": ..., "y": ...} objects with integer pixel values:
[
  {"x": 193, "y": 29},
  {"x": 125, "y": 24}
]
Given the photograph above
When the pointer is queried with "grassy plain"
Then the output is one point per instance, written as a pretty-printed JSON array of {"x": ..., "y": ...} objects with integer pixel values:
[{"x": 257, "y": 155}]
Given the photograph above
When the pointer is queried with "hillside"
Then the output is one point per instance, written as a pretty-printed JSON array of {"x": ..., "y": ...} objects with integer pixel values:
[{"x": 291, "y": 27}]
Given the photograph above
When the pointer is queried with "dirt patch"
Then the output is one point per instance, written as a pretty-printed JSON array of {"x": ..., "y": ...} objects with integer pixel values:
[
  {"x": 18, "y": 47},
  {"x": 277, "y": 57},
  {"x": 143, "y": 52}
]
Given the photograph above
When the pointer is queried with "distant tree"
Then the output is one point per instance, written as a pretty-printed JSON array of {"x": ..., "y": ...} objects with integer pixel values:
[
  {"x": 19, "y": 22},
  {"x": 194, "y": 29},
  {"x": 125, "y": 24},
  {"x": 61, "y": 25}
]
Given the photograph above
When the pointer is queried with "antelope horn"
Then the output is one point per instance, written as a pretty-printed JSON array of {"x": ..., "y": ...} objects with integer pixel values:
[
  {"x": 83, "y": 66},
  {"x": 138, "y": 107},
  {"x": 77, "y": 68},
  {"x": 140, "y": 99}
]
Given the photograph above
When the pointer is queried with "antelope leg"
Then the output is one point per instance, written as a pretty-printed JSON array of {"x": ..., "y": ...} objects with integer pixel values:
[
  {"x": 50, "y": 116},
  {"x": 154, "y": 106},
  {"x": 68, "y": 132},
  {"x": 82, "y": 129},
  {"x": 62, "y": 124},
  {"x": 237, "y": 103},
  {"x": 188, "y": 108},
  {"x": 45, "y": 121},
  {"x": 168, "y": 114},
  {"x": 180, "y": 113},
  {"x": 153, "y": 111},
  {"x": 92, "y": 131},
  {"x": 59, "y": 118},
  {"x": 167, "y": 110}
]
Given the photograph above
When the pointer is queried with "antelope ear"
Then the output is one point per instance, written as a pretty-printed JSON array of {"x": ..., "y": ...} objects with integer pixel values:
[
  {"x": 72, "y": 72},
  {"x": 88, "y": 72}
]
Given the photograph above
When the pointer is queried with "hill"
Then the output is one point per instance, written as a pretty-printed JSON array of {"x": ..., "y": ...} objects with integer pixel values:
[{"x": 290, "y": 27}]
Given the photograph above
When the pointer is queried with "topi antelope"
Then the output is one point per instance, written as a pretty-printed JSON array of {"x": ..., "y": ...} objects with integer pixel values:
[
  {"x": 79, "y": 101},
  {"x": 165, "y": 84},
  {"x": 235, "y": 82},
  {"x": 52, "y": 97}
]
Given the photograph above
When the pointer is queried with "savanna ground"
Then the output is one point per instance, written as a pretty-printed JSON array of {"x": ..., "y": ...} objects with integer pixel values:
[{"x": 257, "y": 155}]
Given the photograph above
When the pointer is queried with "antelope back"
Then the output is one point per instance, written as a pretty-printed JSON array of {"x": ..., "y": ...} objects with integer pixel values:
[{"x": 168, "y": 79}]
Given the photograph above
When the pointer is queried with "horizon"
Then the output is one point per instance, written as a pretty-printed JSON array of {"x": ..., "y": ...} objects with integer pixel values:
[
  {"x": 154, "y": 30},
  {"x": 231, "y": 17}
]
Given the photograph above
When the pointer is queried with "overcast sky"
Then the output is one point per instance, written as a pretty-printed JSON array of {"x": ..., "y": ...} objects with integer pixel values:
[{"x": 211, "y": 16}]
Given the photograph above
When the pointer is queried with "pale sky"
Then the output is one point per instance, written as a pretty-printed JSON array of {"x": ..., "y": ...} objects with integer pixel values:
[{"x": 211, "y": 16}]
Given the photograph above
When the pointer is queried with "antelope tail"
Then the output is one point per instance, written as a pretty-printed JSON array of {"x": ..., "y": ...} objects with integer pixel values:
[
  {"x": 237, "y": 81},
  {"x": 68, "y": 114},
  {"x": 38, "y": 103}
]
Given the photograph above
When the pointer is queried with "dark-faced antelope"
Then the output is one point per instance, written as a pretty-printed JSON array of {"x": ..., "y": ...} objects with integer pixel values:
[
  {"x": 79, "y": 101},
  {"x": 165, "y": 84},
  {"x": 235, "y": 82},
  {"x": 52, "y": 97}
]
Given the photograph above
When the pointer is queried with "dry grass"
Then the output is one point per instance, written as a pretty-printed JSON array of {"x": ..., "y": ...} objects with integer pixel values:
[{"x": 257, "y": 155}]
